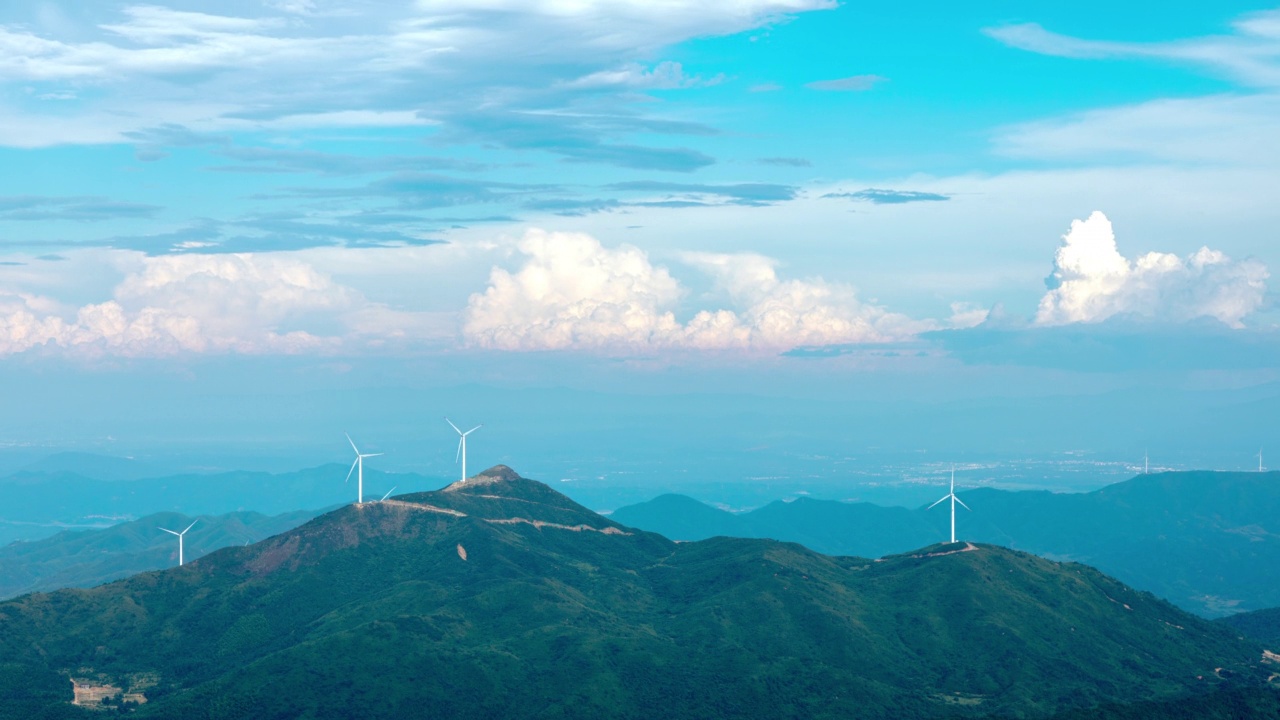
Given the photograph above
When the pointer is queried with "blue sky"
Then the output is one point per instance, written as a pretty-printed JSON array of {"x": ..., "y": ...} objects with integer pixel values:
[{"x": 627, "y": 195}]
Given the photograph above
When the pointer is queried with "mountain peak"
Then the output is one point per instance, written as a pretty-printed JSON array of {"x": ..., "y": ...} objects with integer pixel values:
[
  {"x": 495, "y": 474},
  {"x": 502, "y": 493}
]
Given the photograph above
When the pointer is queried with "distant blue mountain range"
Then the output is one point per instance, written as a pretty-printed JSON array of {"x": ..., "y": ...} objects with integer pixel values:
[{"x": 1206, "y": 541}]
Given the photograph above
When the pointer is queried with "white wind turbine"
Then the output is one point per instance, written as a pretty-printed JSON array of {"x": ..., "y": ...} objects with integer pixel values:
[
  {"x": 1259, "y": 459},
  {"x": 952, "y": 496},
  {"x": 462, "y": 445},
  {"x": 384, "y": 497},
  {"x": 359, "y": 463},
  {"x": 1146, "y": 463},
  {"x": 180, "y": 534}
]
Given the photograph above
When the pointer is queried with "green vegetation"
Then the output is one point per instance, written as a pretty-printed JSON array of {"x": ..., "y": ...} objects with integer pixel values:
[
  {"x": 1260, "y": 625},
  {"x": 556, "y": 612},
  {"x": 1207, "y": 541},
  {"x": 85, "y": 558},
  {"x": 1226, "y": 704}
]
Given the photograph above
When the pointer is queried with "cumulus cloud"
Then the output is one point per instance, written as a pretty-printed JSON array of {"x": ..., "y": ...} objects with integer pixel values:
[
  {"x": 573, "y": 293},
  {"x": 1092, "y": 281},
  {"x": 777, "y": 313},
  {"x": 181, "y": 304}
]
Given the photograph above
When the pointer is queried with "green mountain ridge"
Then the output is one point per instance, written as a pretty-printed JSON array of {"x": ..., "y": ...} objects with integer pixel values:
[
  {"x": 501, "y": 597},
  {"x": 85, "y": 558},
  {"x": 1260, "y": 625},
  {"x": 1217, "y": 534}
]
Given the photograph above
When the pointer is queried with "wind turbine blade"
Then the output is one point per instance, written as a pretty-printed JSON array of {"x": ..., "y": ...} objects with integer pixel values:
[
  {"x": 353, "y": 444},
  {"x": 966, "y": 507},
  {"x": 384, "y": 497},
  {"x": 372, "y": 454},
  {"x": 931, "y": 506},
  {"x": 170, "y": 531},
  {"x": 473, "y": 429},
  {"x": 193, "y": 524},
  {"x": 353, "y": 468},
  {"x": 455, "y": 427},
  {"x": 458, "y": 454}
]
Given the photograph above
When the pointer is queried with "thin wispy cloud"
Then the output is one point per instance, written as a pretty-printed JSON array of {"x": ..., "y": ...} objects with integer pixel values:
[
  {"x": 383, "y": 65},
  {"x": 785, "y": 162},
  {"x": 273, "y": 160},
  {"x": 663, "y": 76},
  {"x": 582, "y": 137},
  {"x": 1251, "y": 55},
  {"x": 881, "y": 196},
  {"x": 739, "y": 193},
  {"x": 29, "y": 208},
  {"x": 855, "y": 83}
]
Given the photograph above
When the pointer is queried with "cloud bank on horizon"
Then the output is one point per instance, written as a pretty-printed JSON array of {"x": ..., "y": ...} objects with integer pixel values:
[
  {"x": 570, "y": 292},
  {"x": 194, "y": 304},
  {"x": 573, "y": 293}
]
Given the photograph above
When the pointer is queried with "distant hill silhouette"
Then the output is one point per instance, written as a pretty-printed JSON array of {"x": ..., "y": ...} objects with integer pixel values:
[
  {"x": 99, "y": 467},
  {"x": 1207, "y": 541},
  {"x": 499, "y": 597},
  {"x": 85, "y": 558},
  {"x": 36, "y": 504}
]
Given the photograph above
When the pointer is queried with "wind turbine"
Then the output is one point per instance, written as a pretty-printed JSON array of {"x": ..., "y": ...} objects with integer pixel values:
[
  {"x": 1259, "y": 459},
  {"x": 384, "y": 497},
  {"x": 954, "y": 500},
  {"x": 359, "y": 463},
  {"x": 180, "y": 534},
  {"x": 1146, "y": 463},
  {"x": 462, "y": 445}
]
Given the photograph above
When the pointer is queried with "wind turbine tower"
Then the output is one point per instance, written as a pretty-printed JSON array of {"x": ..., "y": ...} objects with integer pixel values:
[
  {"x": 1146, "y": 463},
  {"x": 358, "y": 468},
  {"x": 1259, "y": 459},
  {"x": 952, "y": 496},
  {"x": 462, "y": 445},
  {"x": 180, "y": 534}
]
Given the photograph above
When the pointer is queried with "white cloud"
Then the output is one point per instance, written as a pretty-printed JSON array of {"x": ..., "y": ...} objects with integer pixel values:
[
  {"x": 781, "y": 314},
  {"x": 1219, "y": 129},
  {"x": 663, "y": 76},
  {"x": 986, "y": 245},
  {"x": 573, "y": 293},
  {"x": 1092, "y": 281},
  {"x": 386, "y": 63},
  {"x": 967, "y": 315},
  {"x": 637, "y": 24},
  {"x": 179, "y": 304},
  {"x": 1250, "y": 55},
  {"x": 856, "y": 83},
  {"x": 296, "y": 7},
  {"x": 1234, "y": 128}
]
